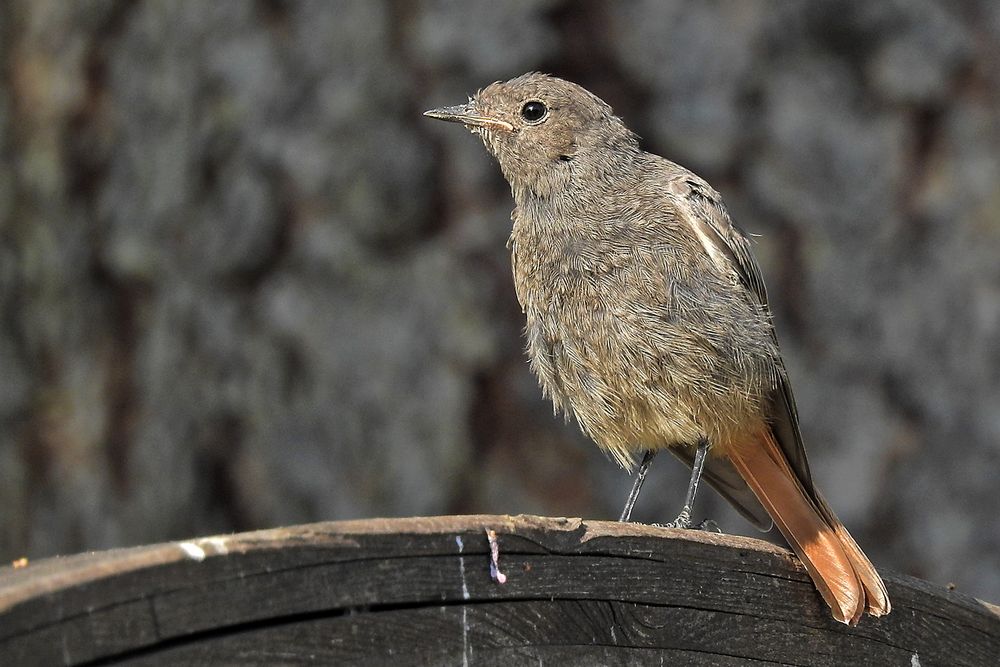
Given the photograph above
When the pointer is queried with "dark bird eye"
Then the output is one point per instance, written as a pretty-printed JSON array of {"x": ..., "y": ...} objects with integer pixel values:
[{"x": 533, "y": 111}]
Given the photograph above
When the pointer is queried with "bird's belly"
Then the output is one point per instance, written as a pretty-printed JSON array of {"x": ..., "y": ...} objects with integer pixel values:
[{"x": 639, "y": 380}]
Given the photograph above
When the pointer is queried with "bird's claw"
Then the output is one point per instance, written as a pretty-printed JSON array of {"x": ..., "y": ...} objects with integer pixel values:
[
  {"x": 708, "y": 526},
  {"x": 683, "y": 521}
]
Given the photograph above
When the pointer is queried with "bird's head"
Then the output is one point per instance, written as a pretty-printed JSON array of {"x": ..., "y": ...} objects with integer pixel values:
[{"x": 545, "y": 132}]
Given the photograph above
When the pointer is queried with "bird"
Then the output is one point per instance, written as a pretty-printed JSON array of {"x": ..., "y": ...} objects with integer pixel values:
[{"x": 647, "y": 319}]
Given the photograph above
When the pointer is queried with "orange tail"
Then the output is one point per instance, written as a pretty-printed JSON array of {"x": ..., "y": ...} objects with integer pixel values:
[{"x": 843, "y": 575}]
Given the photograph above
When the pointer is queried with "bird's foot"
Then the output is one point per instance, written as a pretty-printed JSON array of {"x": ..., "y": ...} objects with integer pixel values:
[
  {"x": 708, "y": 526},
  {"x": 683, "y": 520}
]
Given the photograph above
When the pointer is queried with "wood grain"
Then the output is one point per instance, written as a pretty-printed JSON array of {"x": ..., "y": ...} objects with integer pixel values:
[{"x": 418, "y": 591}]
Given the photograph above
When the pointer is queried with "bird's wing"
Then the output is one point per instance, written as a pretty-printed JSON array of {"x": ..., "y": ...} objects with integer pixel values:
[
  {"x": 723, "y": 240},
  {"x": 729, "y": 246}
]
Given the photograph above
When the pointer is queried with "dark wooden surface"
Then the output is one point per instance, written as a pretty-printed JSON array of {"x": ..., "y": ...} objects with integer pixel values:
[{"x": 419, "y": 591}]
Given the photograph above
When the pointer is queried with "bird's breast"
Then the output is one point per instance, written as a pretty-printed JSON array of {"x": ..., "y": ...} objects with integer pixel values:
[{"x": 591, "y": 307}]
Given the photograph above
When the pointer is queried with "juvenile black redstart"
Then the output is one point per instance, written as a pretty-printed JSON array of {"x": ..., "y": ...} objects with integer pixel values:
[{"x": 647, "y": 319}]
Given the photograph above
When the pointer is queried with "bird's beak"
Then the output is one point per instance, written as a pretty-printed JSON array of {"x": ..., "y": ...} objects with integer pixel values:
[{"x": 468, "y": 115}]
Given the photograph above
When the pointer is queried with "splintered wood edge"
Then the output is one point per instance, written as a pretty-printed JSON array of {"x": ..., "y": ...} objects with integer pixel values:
[{"x": 50, "y": 575}]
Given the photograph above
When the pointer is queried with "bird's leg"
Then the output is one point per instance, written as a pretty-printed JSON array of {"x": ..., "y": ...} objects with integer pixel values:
[
  {"x": 640, "y": 477},
  {"x": 683, "y": 519}
]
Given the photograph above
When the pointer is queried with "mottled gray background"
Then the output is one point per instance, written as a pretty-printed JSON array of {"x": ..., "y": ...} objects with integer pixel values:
[{"x": 243, "y": 283}]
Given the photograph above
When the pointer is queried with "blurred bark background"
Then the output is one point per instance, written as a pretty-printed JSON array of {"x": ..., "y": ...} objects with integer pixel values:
[{"x": 244, "y": 283}]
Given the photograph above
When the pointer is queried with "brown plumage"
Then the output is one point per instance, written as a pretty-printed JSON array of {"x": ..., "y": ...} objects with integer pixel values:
[{"x": 647, "y": 318}]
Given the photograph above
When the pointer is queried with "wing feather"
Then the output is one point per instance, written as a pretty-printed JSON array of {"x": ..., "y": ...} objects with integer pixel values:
[{"x": 730, "y": 248}]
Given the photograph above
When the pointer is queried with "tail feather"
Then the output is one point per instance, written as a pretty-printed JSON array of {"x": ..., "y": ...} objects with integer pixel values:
[
  {"x": 877, "y": 597},
  {"x": 842, "y": 574}
]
